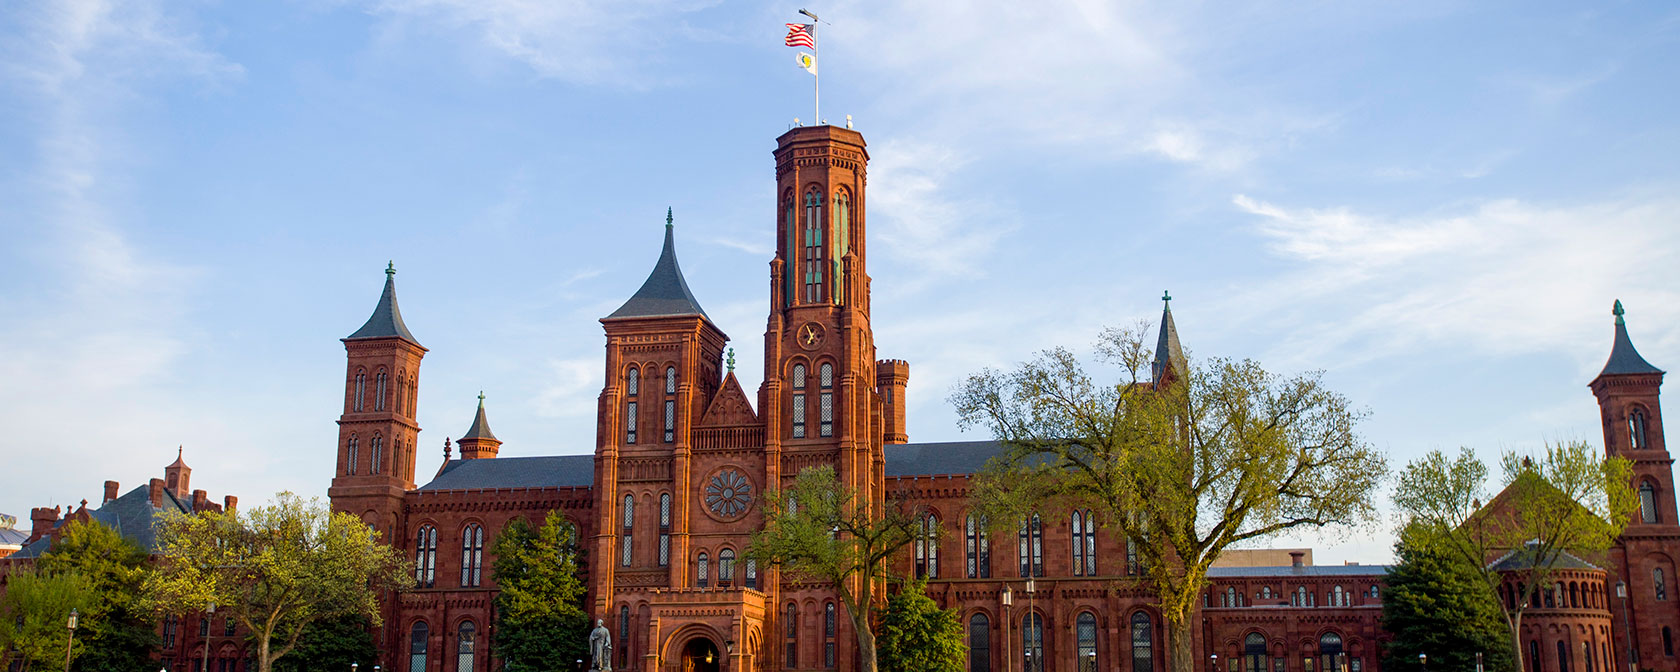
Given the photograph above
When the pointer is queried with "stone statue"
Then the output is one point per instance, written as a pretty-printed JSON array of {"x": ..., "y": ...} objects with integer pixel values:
[{"x": 600, "y": 647}]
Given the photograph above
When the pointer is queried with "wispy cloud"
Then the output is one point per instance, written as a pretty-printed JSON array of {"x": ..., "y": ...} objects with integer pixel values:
[{"x": 922, "y": 219}]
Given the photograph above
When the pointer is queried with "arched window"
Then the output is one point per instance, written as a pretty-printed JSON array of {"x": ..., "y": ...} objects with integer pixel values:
[
  {"x": 1534, "y": 655},
  {"x": 472, "y": 556},
  {"x": 670, "y": 404},
  {"x": 379, "y": 393},
  {"x": 1133, "y": 566},
  {"x": 1647, "y": 502},
  {"x": 1078, "y": 539},
  {"x": 1658, "y": 586},
  {"x": 425, "y": 556},
  {"x": 628, "y": 526},
  {"x": 791, "y": 627},
  {"x": 623, "y": 637},
  {"x": 1668, "y": 642},
  {"x": 814, "y": 262},
  {"x": 1143, "y": 643},
  {"x": 842, "y": 239},
  {"x": 664, "y": 529},
  {"x": 402, "y": 385},
  {"x": 828, "y": 634},
  {"x": 979, "y": 644},
  {"x": 1030, "y": 546},
  {"x": 632, "y": 387},
  {"x": 1338, "y": 597},
  {"x": 701, "y": 567},
  {"x": 927, "y": 546},
  {"x": 352, "y": 455},
  {"x": 1255, "y": 658},
  {"x": 1563, "y": 656},
  {"x": 359, "y": 395},
  {"x": 1574, "y": 595},
  {"x": 1636, "y": 428},
  {"x": 726, "y": 567},
  {"x": 466, "y": 640},
  {"x": 378, "y": 461},
  {"x": 1302, "y": 597},
  {"x": 752, "y": 573},
  {"x": 1032, "y": 643},
  {"x": 1330, "y": 656},
  {"x": 1265, "y": 592},
  {"x": 825, "y": 400},
  {"x": 417, "y": 640},
  {"x": 978, "y": 548},
  {"x": 798, "y": 385},
  {"x": 1085, "y": 628}
]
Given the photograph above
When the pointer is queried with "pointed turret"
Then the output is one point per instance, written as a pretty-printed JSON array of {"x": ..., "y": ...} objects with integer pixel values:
[
  {"x": 479, "y": 442},
  {"x": 177, "y": 475},
  {"x": 665, "y": 293},
  {"x": 1624, "y": 359},
  {"x": 1169, "y": 355},
  {"x": 386, "y": 321}
]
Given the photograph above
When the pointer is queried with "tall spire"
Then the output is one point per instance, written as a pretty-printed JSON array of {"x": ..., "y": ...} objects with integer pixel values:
[
  {"x": 480, "y": 428},
  {"x": 1169, "y": 355},
  {"x": 386, "y": 320},
  {"x": 665, "y": 293},
  {"x": 479, "y": 442},
  {"x": 1624, "y": 359}
]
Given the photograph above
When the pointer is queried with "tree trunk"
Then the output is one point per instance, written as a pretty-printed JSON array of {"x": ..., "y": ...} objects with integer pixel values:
[
  {"x": 263, "y": 663},
  {"x": 1517, "y": 652},
  {"x": 866, "y": 649},
  {"x": 1181, "y": 647}
]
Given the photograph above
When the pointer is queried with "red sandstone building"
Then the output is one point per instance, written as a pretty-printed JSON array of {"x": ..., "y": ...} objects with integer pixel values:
[{"x": 668, "y": 500}]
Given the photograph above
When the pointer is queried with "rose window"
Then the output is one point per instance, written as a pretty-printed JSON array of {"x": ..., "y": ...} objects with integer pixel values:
[{"x": 729, "y": 493}]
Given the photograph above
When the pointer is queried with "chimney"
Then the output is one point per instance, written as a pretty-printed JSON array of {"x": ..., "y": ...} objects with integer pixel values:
[
  {"x": 200, "y": 500},
  {"x": 229, "y": 503},
  {"x": 155, "y": 493},
  {"x": 41, "y": 522},
  {"x": 110, "y": 492},
  {"x": 1295, "y": 558},
  {"x": 891, "y": 378}
]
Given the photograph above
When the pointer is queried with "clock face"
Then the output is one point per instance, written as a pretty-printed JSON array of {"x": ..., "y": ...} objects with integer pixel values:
[
  {"x": 810, "y": 335},
  {"x": 729, "y": 493}
]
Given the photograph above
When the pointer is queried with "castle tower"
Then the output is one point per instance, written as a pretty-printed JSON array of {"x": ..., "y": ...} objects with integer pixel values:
[
  {"x": 177, "y": 476},
  {"x": 479, "y": 442},
  {"x": 377, "y": 430},
  {"x": 1628, "y": 399}
]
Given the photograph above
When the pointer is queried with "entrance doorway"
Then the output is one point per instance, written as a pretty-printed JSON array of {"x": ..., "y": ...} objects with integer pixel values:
[{"x": 701, "y": 655}]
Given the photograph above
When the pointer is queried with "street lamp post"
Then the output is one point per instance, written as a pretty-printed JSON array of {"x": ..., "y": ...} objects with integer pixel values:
[
  {"x": 1213, "y": 662},
  {"x": 1423, "y": 662},
  {"x": 1008, "y": 600},
  {"x": 354, "y": 665},
  {"x": 1632, "y": 653},
  {"x": 209, "y": 631},
  {"x": 72, "y": 641}
]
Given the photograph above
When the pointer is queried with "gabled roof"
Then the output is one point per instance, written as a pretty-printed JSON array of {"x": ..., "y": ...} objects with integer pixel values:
[
  {"x": 480, "y": 428},
  {"x": 665, "y": 293},
  {"x": 386, "y": 321},
  {"x": 555, "y": 471},
  {"x": 1624, "y": 359},
  {"x": 1168, "y": 353},
  {"x": 1524, "y": 558}
]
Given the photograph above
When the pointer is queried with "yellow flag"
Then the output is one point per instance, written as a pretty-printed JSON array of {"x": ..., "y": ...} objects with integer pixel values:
[{"x": 807, "y": 61}]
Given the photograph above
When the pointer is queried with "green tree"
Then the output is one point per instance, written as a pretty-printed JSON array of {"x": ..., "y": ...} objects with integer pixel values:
[
  {"x": 34, "y": 617},
  {"x": 332, "y": 644},
  {"x": 275, "y": 569},
  {"x": 1569, "y": 501},
  {"x": 815, "y": 530},
  {"x": 118, "y": 626},
  {"x": 1438, "y": 606},
  {"x": 541, "y": 622},
  {"x": 918, "y": 636},
  {"x": 1224, "y": 453}
]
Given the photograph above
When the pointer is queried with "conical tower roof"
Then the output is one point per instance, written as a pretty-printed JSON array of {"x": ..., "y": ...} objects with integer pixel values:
[
  {"x": 1624, "y": 359},
  {"x": 386, "y": 321},
  {"x": 480, "y": 428},
  {"x": 665, "y": 293},
  {"x": 1168, "y": 353}
]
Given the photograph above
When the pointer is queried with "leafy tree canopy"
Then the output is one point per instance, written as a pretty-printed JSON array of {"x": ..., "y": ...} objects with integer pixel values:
[
  {"x": 332, "y": 644},
  {"x": 34, "y": 612},
  {"x": 1440, "y": 607},
  {"x": 918, "y": 636},
  {"x": 541, "y": 622},
  {"x": 118, "y": 627}
]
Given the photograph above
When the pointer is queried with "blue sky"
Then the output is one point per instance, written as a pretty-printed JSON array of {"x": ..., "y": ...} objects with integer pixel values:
[{"x": 1433, "y": 202}]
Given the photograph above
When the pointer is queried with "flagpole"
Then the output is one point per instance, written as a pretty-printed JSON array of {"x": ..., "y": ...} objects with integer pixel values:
[{"x": 816, "y": 77}]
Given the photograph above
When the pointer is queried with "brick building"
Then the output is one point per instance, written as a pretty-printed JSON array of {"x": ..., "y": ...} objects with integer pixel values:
[{"x": 667, "y": 502}]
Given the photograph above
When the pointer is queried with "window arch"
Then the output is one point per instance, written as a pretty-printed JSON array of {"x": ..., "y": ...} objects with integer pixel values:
[
  {"x": 1030, "y": 546},
  {"x": 417, "y": 641},
  {"x": 1338, "y": 597},
  {"x": 751, "y": 579},
  {"x": 425, "y": 557},
  {"x": 1085, "y": 630},
  {"x": 1658, "y": 586},
  {"x": 1255, "y": 655},
  {"x": 472, "y": 555},
  {"x": 632, "y": 388},
  {"x": 825, "y": 400},
  {"x": 1143, "y": 643},
  {"x": 927, "y": 546},
  {"x": 1301, "y": 598},
  {"x": 828, "y": 634},
  {"x": 977, "y": 547},
  {"x": 726, "y": 567},
  {"x": 791, "y": 634},
  {"x": 1636, "y": 428},
  {"x": 813, "y": 257},
  {"x": 1032, "y": 643},
  {"x": 358, "y": 399},
  {"x": 352, "y": 455},
  {"x": 979, "y": 643},
  {"x": 664, "y": 529},
  {"x": 1647, "y": 502},
  {"x": 378, "y": 456},
  {"x": 701, "y": 569},
  {"x": 402, "y": 385},
  {"x": 670, "y": 404},
  {"x": 1265, "y": 592},
  {"x": 379, "y": 390},
  {"x": 466, "y": 641},
  {"x": 1330, "y": 656},
  {"x": 1230, "y": 598},
  {"x": 797, "y": 383},
  {"x": 628, "y": 525}
]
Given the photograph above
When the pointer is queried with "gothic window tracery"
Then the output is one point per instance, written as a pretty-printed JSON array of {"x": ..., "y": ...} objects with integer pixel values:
[
  {"x": 664, "y": 529},
  {"x": 702, "y": 570},
  {"x": 472, "y": 556},
  {"x": 790, "y": 657},
  {"x": 726, "y": 567},
  {"x": 378, "y": 450},
  {"x": 1636, "y": 428},
  {"x": 977, "y": 547},
  {"x": 797, "y": 383},
  {"x": 927, "y": 546},
  {"x": 825, "y": 380},
  {"x": 828, "y": 634},
  {"x": 1647, "y": 502},
  {"x": 379, "y": 391},
  {"x": 670, "y": 404},
  {"x": 466, "y": 644},
  {"x": 353, "y": 455},
  {"x": 629, "y": 523},
  {"x": 425, "y": 556},
  {"x": 632, "y": 387}
]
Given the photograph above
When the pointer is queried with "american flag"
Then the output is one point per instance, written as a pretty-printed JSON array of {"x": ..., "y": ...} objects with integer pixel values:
[{"x": 799, "y": 35}]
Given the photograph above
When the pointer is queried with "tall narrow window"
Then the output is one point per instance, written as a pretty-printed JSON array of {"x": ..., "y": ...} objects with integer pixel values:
[
  {"x": 1647, "y": 502},
  {"x": 798, "y": 385},
  {"x": 978, "y": 547},
  {"x": 813, "y": 254},
  {"x": 204, "y": 626},
  {"x": 632, "y": 387},
  {"x": 979, "y": 644},
  {"x": 702, "y": 567},
  {"x": 472, "y": 556},
  {"x": 793, "y": 251},
  {"x": 466, "y": 642},
  {"x": 170, "y": 623},
  {"x": 828, "y": 634},
  {"x": 626, "y": 529},
  {"x": 1090, "y": 544},
  {"x": 670, "y": 404},
  {"x": 357, "y": 402},
  {"x": 623, "y": 637},
  {"x": 1636, "y": 428},
  {"x": 1338, "y": 597},
  {"x": 425, "y": 557},
  {"x": 1563, "y": 656},
  {"x": 1229, "y": 599},
  {"x": 1078, "y": 540},
  {"x": 402, "y": 385},
  {"x": 1534, "y": 655},
  {"x": 664, "y": 529},
  {"x": 1658, "y": 585},
  {"x": 1132, "y": 566},
  {"x": 726, "y": 567},
  {"x": 1085, "y": 629},
  {"x": 790, "y": 657},
  {"x": 825, "y": 400},
  {"x": 379, "y": 391},
  {"x": 1032, "y": 643},
  {"x": 1030, "y": 546},
  {"x": 752, "y": 574},
  {"x": 1668, "y": 642},
  {"x": 378, "y": 454},
  {"x": 927, "y": 546},
  {"x": 352, "y": 455},
  {"x": 842, "y": 239},
  {"x": 417, "y": 647},
  {"x": 1037, "y": 545}
]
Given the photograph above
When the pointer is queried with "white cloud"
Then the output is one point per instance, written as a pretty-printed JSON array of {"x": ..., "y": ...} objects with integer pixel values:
[{"x": 919, "y": 218}]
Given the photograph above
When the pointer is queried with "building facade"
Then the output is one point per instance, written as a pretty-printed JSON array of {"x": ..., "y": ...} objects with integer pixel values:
[{"x": 668, "y": 500}]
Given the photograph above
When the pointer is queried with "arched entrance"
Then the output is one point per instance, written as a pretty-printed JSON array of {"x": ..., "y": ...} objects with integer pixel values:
[{"x": 701, "y": 655}]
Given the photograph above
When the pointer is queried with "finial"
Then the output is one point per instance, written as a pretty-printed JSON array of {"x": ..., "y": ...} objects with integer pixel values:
[
  {"x": 1618, "y": 312},
  {"x": 1166, "y": 297},
  {"x": 732, "y": 360},
  {"x": 391, "y": 267},
  {"x": 446, "y": 449},
  {"x": 178, "y": 451},
  {"x": 481, "y": 398},
  {"x": 668, "y": 217}
]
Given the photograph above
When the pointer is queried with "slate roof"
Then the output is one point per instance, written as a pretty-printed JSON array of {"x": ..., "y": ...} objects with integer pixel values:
[
  {"x": 1168, "y": 353},
  {"x": 131, "y": 515},
  {"x": 1523, "y": 558},
  {"x": 931, "y": 459},
  {"x": 665, "y": 293},
  {"x": 386, "y": 320},
  {"x": 480, "y": 428},
  {"x": 1624, "y": 359},
  {"x": 1291, "y": 570},
  {"x": 516, "y": 472},
  {"x": 13, "y": 537}
]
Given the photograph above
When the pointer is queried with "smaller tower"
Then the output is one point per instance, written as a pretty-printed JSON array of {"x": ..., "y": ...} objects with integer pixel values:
[
  {"x": 1628, "y": 391},
  {"x": 1169, "y": 361},
  {"x": 891, "y": 377},
  {"x": 478, "y": 442},
  {"x": 177, "y": 476}
]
